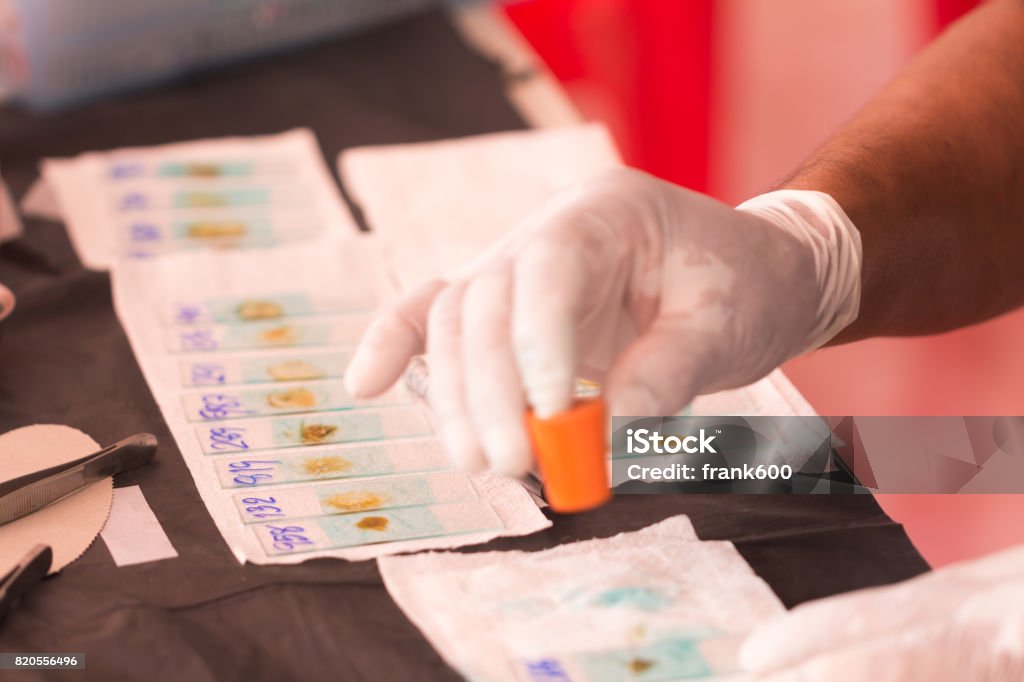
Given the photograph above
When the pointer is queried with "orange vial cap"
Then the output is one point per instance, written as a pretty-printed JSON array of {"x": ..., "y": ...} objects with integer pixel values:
[{"x": 571, "y": 449}]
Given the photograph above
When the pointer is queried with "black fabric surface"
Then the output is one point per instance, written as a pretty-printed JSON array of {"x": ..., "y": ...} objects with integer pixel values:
[{"x": 202, "y": 616}]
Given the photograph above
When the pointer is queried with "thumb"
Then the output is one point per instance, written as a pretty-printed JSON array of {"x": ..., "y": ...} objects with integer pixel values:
[{"x": 660, "y": 372}]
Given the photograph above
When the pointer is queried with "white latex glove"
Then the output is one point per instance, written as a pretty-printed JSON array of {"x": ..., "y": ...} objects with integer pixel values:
[
  {"x": 657, "y": 292},
  {"x": 961, "y": 623}
]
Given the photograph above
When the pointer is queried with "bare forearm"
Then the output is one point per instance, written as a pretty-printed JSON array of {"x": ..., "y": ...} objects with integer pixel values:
[{"x": 932, "y": 173}]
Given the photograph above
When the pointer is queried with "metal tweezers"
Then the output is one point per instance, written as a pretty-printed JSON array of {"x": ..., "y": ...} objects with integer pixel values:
[
  {"x": 23, "y": 495},
  {"x": 29, "y": 571}
]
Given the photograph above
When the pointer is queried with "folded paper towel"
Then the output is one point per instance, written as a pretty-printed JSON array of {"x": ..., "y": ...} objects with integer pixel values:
[{"x": 657, "y": 601}]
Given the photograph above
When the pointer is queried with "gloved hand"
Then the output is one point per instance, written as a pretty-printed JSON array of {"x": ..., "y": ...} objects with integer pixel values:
[
  {"x": 964, "y": 622},
  {"x": 657, "y": 292}
]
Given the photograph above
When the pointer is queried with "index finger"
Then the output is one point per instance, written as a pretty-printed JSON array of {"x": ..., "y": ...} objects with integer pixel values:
[{"x": 391, "y": 340}]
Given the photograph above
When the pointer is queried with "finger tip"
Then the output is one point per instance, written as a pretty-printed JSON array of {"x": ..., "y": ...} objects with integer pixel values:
[
  {"x": 632, "y": 401},
  {"x": 470, "y": 461},
  {"x": 508, "y": 451},
  {"x": 764, "y": 651},
  {"x": 356, "y": 382},
  {"x": 367, "y": 375},
  {"x": 550, "y": 401},
  {"x": 463, "y": 449},
  {"x": 353, "y": 387},
  {"x": 749, "y": 654}
]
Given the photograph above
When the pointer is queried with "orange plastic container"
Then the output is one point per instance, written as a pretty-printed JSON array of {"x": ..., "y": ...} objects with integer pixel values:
[{"x": 571, "y": 449}]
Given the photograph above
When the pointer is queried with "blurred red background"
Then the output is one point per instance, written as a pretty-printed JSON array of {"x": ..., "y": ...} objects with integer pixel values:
[{"x": 728, "y": 96}]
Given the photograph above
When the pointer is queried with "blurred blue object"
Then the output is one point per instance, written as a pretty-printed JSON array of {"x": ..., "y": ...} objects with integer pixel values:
[{"x": 55, "y": 52}]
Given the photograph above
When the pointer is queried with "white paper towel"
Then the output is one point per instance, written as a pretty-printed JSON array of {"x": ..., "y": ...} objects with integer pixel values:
[
  {"x": 435, "y": 205},
  {"x": 657, "y": 601},
  {"x": 91, "y": 191},
  {"x": 142, "y": 289}
]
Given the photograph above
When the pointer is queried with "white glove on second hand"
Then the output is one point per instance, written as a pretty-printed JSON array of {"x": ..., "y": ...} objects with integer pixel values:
[
  {"x": 657, "y": 292},
  {"x": 964, "y": 622}
]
